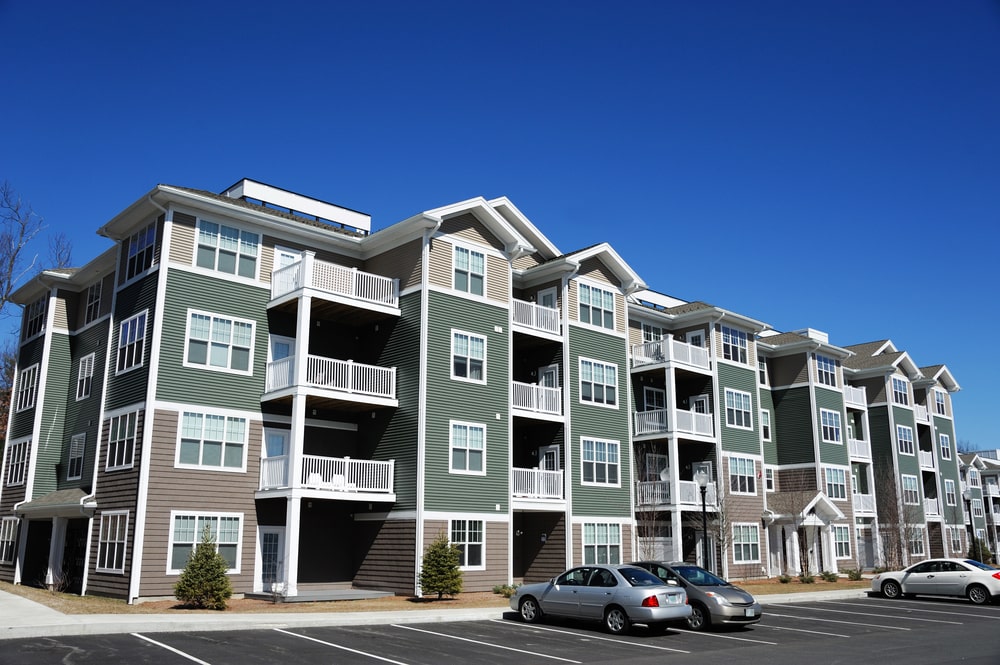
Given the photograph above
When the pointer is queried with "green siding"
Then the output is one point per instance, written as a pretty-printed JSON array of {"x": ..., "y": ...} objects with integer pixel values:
[
  {"x": 130, "y": 387},
  {"x": 831, "y": 453},
  {"x": 22, "y": 423},
  {"x": 52, "y": 417},
  {"x": 770, "y": 448},
  {"x": 84, "y": 416},
  {"x": 793, "y": 427},
  {"x": 744, "y": 379}
]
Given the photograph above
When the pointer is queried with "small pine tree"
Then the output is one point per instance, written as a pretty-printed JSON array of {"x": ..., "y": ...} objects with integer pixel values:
[
  {"x": 440, "y": 573},
  {"x": 979, "y": 550},
  {"x": 204, "y": 583}
]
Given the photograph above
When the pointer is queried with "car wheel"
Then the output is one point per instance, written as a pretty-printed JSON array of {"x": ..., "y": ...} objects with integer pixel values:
[
  {"x": 891, "y": 589},
  {"x": 978, "y": 594},
  {"x": 529, "y": 610},
  {"x": 700, "y": 619},
  {"x": 616, "y": 620}
]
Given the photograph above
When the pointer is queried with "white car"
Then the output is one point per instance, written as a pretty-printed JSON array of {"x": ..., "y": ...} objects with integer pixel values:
[{"x": 941, "y": 577}]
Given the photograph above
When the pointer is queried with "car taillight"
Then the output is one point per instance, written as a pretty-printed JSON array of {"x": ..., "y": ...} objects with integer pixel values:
[
  {"x": 650, "y": 601},
  {"x": 996, "y": 576}
]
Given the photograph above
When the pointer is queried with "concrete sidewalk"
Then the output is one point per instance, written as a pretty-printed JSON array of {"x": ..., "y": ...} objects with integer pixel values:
[{"x": 20, "y": 617}]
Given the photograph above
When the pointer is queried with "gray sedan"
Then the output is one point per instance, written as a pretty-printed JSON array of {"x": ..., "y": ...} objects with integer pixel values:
[
  {"x": 713, "y": 599},
  {"x": 617, "y": 595}
]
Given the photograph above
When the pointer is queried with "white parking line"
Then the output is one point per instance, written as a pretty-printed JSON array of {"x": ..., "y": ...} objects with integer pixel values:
[
  {"x": 485, "y": 644},
  {"x": 800, "y": 630},
  {"x": 882, "y": 616},
  {"x": 589, "y": 636},
  {"x": 724, "y": 637},
  {"x": 907, "y": 608},
  {"x": 343, "y": 648},
  {"x": 849, "y": 623},
  {"x": 170, "y": 648}
]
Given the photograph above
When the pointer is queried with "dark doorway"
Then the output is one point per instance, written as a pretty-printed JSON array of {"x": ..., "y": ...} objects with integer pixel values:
[
  {"x": 74, "y": 554},
  {"x": 36, "y": 553}
]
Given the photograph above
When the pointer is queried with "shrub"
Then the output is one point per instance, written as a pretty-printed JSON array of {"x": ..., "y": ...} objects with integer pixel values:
[
  {"x": 784, "y": 579},
  {"x": 829, "y": 576},
  {"x": 806, "y": 578},
  {"x": 505, "y": 590},
  {"x": 853, "y": 574},
  {"x": 204, "y": 583},
  {"x": 979, "y": 550},
  {"x": 439, "y": 573}
]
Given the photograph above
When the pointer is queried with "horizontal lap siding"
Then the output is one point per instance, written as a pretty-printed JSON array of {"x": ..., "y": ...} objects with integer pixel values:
[
  {"x": 403, "y": 263},
  {"x": 84, "y": 416},
  {"x": 792, "y": 423},
  {"x": 182, "y": 238},
  {"x": 496, "y": 537},
  {"x": 831, "y": 453},
  {"x": 594, "y": 270},
  {"x": 469, "y": 228},
  {"x": 53, "y": 416},
  {"x": 546, "y": 559},
  {"x": 158, "y": 256},
  {"x": 627, "y": 554},
  {"x": 387, "y": 552},
  {"x": 130, "y": 386},
  {"x": 742, "y": 378},
  {"x": 788, "y": 370},
  {"x": 22, "y": 422}
]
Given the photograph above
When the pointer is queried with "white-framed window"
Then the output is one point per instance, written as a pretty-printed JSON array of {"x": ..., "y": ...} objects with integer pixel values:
[
  {"x": 122, "y": 432},
  {"x": 468, "y": 448},
  {"x": 842, "y": 541},
  {"x": 188, "y": 528},
  {"x": 598, "y": 382},
  {"x": 944, "y": 441},
  {"x": 77, "y": 447},
  {"x": 916, "y": 540},
  {"x": 826, "y": 370},
  {"x": 940, "y": 405},
  {"x": 470, "y": 270},
  {"x": 836, "y": 483},
  {"x": 602, "y": 543},
  {"x": 973, "y": 478},
  {"x": 911, "y": 490},
  {"x": 8, "y": 539},
  {"x": 742, "y": 475},
  {"x": 904, "y": 439},
  {"x": 34, "y": 317},
  {"x": 977, "y": 508},
  {"x": 27, "y": 388},
  {"x": 85, "y": 376},
  {"x": 830, "y": 421},
  {"x": 227, "y": 249},
  {"x": 468, "y": 356},
  {"x": 955, "y": 534},
  {"x": 17, "y": 462},
  {"x": 950, "y": 494},
  {"x": 600, "y": 462},
  {"x": 219, "y": 342},
  {"x": 765, "y": 424},
  {"x": 213, "y": 441},
  {"x": 738, "y": 409},
  {"x": 734, "y": 345},
  {"x": 141, "y": 246},
  {"x": 746, "y": 543},
  {"x": 597, "y": 306},
  {"x": 651, "y": 333},
  {"x": 94, "y": 292},
  {"x": 761, "y": 371},
  {"x": 900, "y": 391},
  {"x": 468, "y": 536},
  {"x": 131, "y": 342},
  {"x": 112, "y": 541},
  {"x": 769, "y": 480}
]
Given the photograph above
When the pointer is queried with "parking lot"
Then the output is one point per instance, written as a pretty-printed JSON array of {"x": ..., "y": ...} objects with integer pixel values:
[{"x": 855, "y": 630}]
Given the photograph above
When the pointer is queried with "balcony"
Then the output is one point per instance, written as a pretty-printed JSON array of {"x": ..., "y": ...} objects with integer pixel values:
[
  {"x": 338, "y": 282},
  {"x": 344, "y": 376},
  {"x": 535, "y": 317},
  {"x": 654, "y": 421},
  {"x": 537, "y": 484},
  {"x": 659, "y": 493},
  {"x": 536, "y": 399},
  {"x": 926, "y": 459},
  {"x": 990, "y": 489},
  {"x": 932, "y": 507},
  {"x": 333, "y": 474},
  {"x": 860, "y": 449},
  {"x": 855, "y": 397},
  {"x": 864, "y": 503},
  {"x": 920, "y": 413},
  {"x": 669, "y": 349}
]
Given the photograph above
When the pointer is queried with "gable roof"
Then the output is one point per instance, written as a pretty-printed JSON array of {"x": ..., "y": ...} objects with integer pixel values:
[
  {"x": 940, "y": 375},
  {"x": 880, "y": 357}
]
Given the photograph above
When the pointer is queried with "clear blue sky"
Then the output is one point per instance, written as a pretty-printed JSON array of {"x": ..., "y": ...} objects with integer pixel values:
[{"x": 831, "y": 164}]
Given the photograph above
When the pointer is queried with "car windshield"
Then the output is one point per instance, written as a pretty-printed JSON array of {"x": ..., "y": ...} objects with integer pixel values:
[
  {"x": 640, "y": 577},
  {"x": 699, "y": 576},
  {"x": 976, "y": 564}
]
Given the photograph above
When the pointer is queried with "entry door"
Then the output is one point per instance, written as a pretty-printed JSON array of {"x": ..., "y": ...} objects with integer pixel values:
[
  {"x": 280, "y": 348},
  {"x": 699, "y": 404},
  {"x": 547, "y": 298},
  {"x": 548, "y": 458},
  {"x": 654, "y": 398},
  {"x": 696, "y": 338},
  {"x": 272, "y": 539},
  {"x": 548, "y": 376},
  {"x": 275, "y": 472}
]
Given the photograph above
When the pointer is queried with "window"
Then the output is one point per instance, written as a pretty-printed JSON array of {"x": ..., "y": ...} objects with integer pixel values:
[
  {"x": 227, "y": 249},
  {"x": 468, "y": 448},
  {"x": 826, "y": 370},
  {"x": 916, "y": 541},
  {"x": 762, "y": 371},
  {"x": 904, "y": 437},
  {"x": 738, "y": 409},
  {"x": 765, "y": 424},
  {"x": 598, "y": 382},
  {"x": 602, "y": 543},
  {"x": 939, "y": 403},
  {"x": 468, "y": 357},
  {"x": 212, "y": 440},
  {"x": 187, "y": 531},
  {"x": 734, "y": 345},
  {"x": 836, "y": 483},
  {"x": 470, "y": 271},
  {"x": 746, "y": 543},
  {"x": 34, "y": 317},
  {"x": 8, "y": 539},
  {"x": 467, "y": 536},
  {"x": 85, "y": 377},
  {"x": 973, "y": 477},
  {"x": 140, "y": 251},
  {"x": 911, "y": 490},
  {"x": 17, "y": 462},
  {"x": 121, "y": 440},
  {"x": 831, "y": 425},
  {"x": 111, "y": 542},
  {"x": 77, "y": 446},
  {"x": 27, "y": 388},
  {"x": 219, "y": 342},
  {"x": 900, "y": 394},
  {"x": 842, "y": 541},
  {"x": 131, "y": 342},
  {"x": 944, "y": 441},
  {"x": 956, "y": 538},
  {"x": 597, "y": 306},
  {"x": 769, "y": 480},
  {"x": 950, "y": 495},
  {"x": 93, "y": 302},
  {"x": 599, "y": 461},
  {"x": 742, "y": 476},
  {"x": 651, "y": 333},
  {"x": 977, "y": 508}
]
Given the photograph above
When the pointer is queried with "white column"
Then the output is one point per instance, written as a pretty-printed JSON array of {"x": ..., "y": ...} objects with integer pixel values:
[
  {"x": 293, "y": 510},
  {"x": 53, "y": 576},
  {"x": 794, "y": 558}
]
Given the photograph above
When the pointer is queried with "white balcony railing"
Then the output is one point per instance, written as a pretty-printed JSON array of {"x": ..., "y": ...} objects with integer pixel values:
[
  {"x": 652, "y": 493},
  {"x": 690, "y": 493},
  {"x": 342, "y": 375},
  {"x": 540, "y": 399},
  {"x": 537, "y": 484},
  {"x": 669, "y": 349},
  {"x": 859, "y": 448},
  {"x": 653, "y": 421},
  {"x": 864, "y": 503},
  {"x": 335, "y": 279},
  {"x": 659, "y": 492},
  {"x": 991, "y": 489},
  {"x": 536, "y": 317},
  {"x": 932, "y": 507},
  {"x": 920, "y": 413},
  {"x": 693, "y": 422},
  {"x": 336, "y": 474},
  {"x": 854, "y": 396},
  {"x": 926, "y": 459}
]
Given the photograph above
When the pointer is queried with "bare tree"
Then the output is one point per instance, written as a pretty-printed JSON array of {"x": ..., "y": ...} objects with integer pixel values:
[
  {"x": 899, "y": 523},
  {"x": 788, "y": 505},
  {"x": 19, "y": 225},
  {"x": 60, "y": 251}
]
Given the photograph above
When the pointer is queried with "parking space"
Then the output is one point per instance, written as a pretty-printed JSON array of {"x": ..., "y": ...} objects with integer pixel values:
[{"x": 917, "y": 631}]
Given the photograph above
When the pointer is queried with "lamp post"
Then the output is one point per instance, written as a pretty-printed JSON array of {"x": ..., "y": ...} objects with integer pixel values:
[
  {"x": 701, "y": 477},
  {"x": 967, "y": 495}
]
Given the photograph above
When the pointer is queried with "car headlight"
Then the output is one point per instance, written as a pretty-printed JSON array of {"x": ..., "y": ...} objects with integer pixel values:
[{"x": 720, "y": 599}]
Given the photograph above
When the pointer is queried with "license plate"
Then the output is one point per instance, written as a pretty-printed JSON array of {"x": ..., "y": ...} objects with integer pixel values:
[{"x": 749, "y": 612}]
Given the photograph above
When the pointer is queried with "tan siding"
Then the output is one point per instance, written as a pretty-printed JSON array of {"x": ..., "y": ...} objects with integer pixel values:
[
  {"x": 547, "y": 559},
  {"x": 788, "y": 370},
  {"x": 497, "y": 279},
  {"x": 751, "y": 346},
  {"x": 621, "y": 312},
  {"x": 439, "y": 270},
  {"x": 795, "y": 480},
  {"x": 627, "y": 554},
  {"x": 874, "y": 389},
  {"x": 61, "y": 316},
  {"x": 468, "y": 227},
  {"x": 386, "y": 552},
  {"x": 402, "y": 263},
  {"x": 496, "y": 537},
  {"x": 182, "y": 238},
  {"x": 527, "y": 261}
]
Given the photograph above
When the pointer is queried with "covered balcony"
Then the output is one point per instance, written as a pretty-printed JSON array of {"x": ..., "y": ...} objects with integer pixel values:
[
  {"x": 335, "y": 283},
  {"x": 661, "y": 493},
  {"x": 340, "y": 475},
  {"x": 531, "y": 317},
  {"x": 670, "y": 350},
  {"x": 654, "y": 421},
  {"x": 932, "y": 507},
  {"x": 345, "y": 380},
  {"x": 538, "y": 399},
  {"x": 537, "y": 484},
  {"x": 860, "y": 449},
  {"x": 855, "y": 397},
  {"x": 864, "y": 503},
  {"x": 926, "y": 459},
  {"x": 920, "y": 413}
]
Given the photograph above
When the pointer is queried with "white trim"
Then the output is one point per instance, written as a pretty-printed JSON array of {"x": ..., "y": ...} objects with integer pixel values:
[
  {"x": 92, "y": 356},
  {"x": 601, "y": 286},
  {"x": 470, "y": 335},
  {"x": 118, "y": 347},
  {"x": 208, "y": 514},
  {"x": 451, "y": 447},
  {"x": 839, "y": 426},
  {"x": 618, "y": 465},
  {"x": 228, "y": 369},
  {"x": 203, "y": 467},
  {"x": 604, "y": 404},
  {"x": 214, "y": 271},
  {"x": 124, "y": 542},
  {"x": 83, "y": 455},
  {"x": 482, "y": 544},
  {"x": 729, "y": 473},
  {"x": 756, "y": 527},
  {"x": 471, "y": 249},
  {"x": 748, "y": 411}
]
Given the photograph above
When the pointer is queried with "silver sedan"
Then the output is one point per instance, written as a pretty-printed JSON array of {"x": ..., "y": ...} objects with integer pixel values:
[
  {"x": 616, "y": 595},
  {"x": 941, "y": 577}
]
